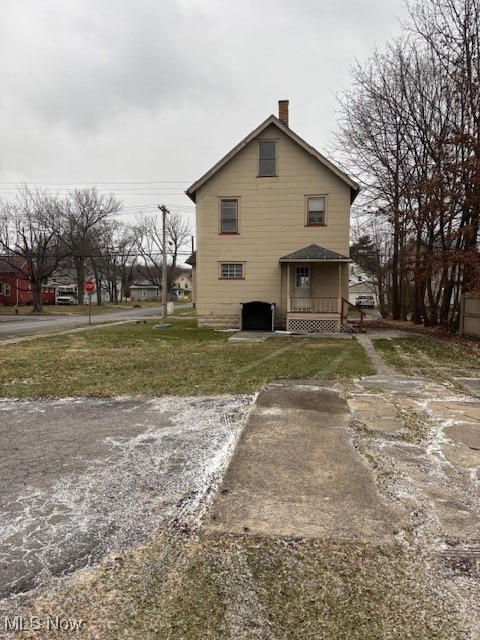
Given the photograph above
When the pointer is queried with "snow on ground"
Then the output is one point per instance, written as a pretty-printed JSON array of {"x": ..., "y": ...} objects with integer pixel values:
[{"x": 82, "y": 478}]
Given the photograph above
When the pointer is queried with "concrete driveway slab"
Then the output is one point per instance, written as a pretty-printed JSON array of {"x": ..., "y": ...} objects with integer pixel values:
[{"x": 295, "y": 472}]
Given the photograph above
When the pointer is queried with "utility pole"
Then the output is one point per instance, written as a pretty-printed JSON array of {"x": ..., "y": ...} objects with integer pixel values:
[{"x": 164, "y": 211}]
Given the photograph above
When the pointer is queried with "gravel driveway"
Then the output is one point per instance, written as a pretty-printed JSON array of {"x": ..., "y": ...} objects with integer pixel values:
[{"x": 82, "y": 477}]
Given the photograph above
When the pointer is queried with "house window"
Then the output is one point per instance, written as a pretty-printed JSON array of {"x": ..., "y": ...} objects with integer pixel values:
[
  {"x": 6, "y": 289},
  {"x": 267, "y": 158},
  {"x": 229, "y": 216},
  {"x": 316, "y": 210},
  {"x": 231, "y": 270},
  {"x": 302, "y": 277}
]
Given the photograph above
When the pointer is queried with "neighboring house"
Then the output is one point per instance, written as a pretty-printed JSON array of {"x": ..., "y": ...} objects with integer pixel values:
[
  {"x": 272, "y": 227},
  {"x": 182, "y": 287},
  {"x": 144, "y": 290},
  {"x": 359, "y": 284},
  {"x": 15, "y": 287},
  {"x": 68, "y": 288},
  {"x": 361, "y": 289}
]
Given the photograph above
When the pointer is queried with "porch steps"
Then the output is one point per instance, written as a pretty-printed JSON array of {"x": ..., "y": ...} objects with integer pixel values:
[{"x": 352, "y": 327}]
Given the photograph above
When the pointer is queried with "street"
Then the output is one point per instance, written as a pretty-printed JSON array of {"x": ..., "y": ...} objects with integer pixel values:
[{"x": 24, "y": 325}]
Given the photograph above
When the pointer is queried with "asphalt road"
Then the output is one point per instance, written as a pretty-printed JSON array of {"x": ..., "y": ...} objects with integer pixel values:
[
  {"x": 23, "y": 325},
  {"x": 80, "y": 478}
]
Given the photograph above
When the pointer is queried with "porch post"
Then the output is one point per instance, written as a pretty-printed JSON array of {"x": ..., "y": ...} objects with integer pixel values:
[
  {"x": 288, "y": 287},
  {"x": 340, "y": 282},
  {"x": 340, "y": 302}
]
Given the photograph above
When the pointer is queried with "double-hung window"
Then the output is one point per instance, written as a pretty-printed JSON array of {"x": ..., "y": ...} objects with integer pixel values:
[
  {"x": 316, "y": 210},
  {"x": 229, "y": 215},
  {"x": 267, "y": 158}
]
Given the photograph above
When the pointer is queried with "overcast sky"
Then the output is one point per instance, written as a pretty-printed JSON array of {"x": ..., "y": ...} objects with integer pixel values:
[{"x": 141, "y": 91}]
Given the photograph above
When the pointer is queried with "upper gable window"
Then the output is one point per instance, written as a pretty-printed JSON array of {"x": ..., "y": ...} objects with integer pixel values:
[
  {"x": 316, "y": 210},
  {"x": 267, "y": 157}
]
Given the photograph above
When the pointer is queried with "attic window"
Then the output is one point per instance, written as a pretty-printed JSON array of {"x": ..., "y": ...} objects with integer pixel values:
[{"x": 267, "y": 158}]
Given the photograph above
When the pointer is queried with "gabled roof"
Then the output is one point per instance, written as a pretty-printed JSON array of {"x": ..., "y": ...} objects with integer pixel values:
[
  {"x": 314, "y": 253},
  {"x": 12, "y": 264},
  {"x": 191, "y": 191}
]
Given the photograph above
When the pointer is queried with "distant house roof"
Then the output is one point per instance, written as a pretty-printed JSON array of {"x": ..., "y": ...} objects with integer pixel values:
[
  {"x": 360, "y": 287},
  {"x": 144, "y": 284},
  {"x": 314, "y": 253},
  {"x": 354, "y": 187},
  {"x": 192, "y": 260},
  {"x": 12, "y": 264}
]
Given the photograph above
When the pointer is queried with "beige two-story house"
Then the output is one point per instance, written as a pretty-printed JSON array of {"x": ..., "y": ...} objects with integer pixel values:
[{"x": 272, "y": 227}]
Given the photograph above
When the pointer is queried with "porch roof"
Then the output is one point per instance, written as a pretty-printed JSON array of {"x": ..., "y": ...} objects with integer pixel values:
[{"x": 314, "y": 253}]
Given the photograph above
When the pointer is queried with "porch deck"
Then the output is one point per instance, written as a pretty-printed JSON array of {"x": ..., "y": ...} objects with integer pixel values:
[{"x": 319, "y": 315}]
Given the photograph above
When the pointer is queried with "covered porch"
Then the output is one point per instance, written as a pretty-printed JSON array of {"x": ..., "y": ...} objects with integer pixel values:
[{"x": 315, "y": 290}]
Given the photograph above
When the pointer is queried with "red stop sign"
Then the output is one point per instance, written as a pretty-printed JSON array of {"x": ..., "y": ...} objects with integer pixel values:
[{"x": 89, "y": 286}]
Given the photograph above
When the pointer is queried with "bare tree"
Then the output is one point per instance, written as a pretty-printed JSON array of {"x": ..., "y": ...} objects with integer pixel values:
[
  {"x": 31, "y": 229},
  {"x": 85, "y": 212},
  {"x": 411, "y": 129},
  {"x": 150, "y": 246},
  {"x": 114, "y": 263}
]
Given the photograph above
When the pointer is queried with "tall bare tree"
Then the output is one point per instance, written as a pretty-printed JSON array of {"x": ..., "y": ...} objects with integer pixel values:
[
  {"x": 85, "y": 211},
  {"x": 410, "y": 127},
  {"x": 31, "y": 229},
  {"x": 115, "y": 260}
]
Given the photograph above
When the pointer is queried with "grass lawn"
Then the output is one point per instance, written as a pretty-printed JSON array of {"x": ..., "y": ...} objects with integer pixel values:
[
  {"x": 185, "y": 585},
  {"x": 436, "y": 358},
  {"x": 230, "y": 587},
  {"x": 132, "y": 358}
]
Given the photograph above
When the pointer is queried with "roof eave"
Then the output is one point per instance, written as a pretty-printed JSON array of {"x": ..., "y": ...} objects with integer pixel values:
[
  {"x": 354, "y": 187},
  {"x": 314, "y": 260}
]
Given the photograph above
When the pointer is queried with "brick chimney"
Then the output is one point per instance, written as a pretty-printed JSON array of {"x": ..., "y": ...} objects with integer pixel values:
[{"x": 283, "y": 111}]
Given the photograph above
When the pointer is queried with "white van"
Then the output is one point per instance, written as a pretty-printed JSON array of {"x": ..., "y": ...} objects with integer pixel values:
[{"x": 64, "y": 300}]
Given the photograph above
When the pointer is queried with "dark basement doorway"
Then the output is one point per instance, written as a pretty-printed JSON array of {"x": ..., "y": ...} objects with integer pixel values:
[{"x": 258, "y": 316}]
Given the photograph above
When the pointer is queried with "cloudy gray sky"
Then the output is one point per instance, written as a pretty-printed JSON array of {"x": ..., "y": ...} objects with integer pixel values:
[{"x": 134, "y": 92}]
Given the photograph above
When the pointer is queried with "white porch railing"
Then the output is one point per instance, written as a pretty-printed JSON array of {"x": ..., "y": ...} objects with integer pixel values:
[{"x": 314, "y": 305}]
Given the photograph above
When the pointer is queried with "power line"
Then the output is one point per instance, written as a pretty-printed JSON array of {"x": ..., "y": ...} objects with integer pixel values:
[{"x": 96, "y": 183}]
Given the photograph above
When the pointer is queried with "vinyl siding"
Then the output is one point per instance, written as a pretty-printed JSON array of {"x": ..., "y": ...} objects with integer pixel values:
[{"x": 272, "y": 219}]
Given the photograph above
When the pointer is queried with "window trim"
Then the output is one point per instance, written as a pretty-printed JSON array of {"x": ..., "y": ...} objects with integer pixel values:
[
  {"x": 7, "y": 289},
  {"x": 267, "y": 175},
  {"x": 236, "y": 263},
  {"x": 307, "y": 210},
  {"x": 220, "y": 222}
]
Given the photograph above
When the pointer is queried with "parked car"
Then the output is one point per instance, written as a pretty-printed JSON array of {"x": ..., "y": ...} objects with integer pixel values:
[
  {"x": 365, "y": 301},
  {"x": 65, "y": 300}
]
